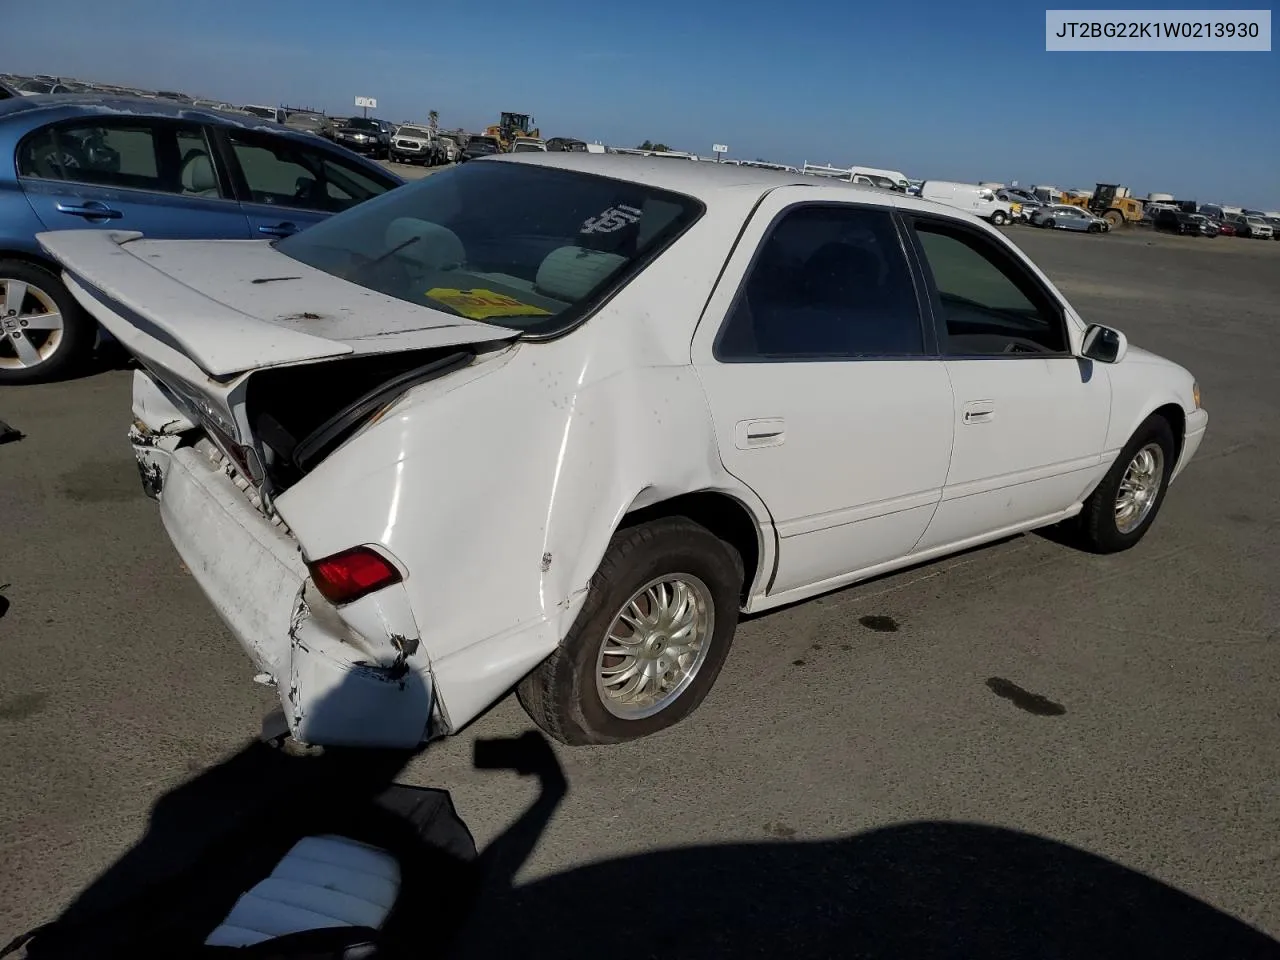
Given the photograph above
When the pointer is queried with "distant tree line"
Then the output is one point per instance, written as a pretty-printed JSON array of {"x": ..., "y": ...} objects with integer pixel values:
[{"x": 647, "y": 145}]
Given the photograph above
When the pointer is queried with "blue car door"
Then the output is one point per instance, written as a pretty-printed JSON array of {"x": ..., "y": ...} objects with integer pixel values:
[
  {"x": 155, "y": 175},
  {"x": 286, "y": 185}
]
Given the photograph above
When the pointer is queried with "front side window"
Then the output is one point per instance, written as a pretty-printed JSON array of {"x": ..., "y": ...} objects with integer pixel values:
[
  {"x": 989, "y": 305},
  {"x": 283, "y": 173},
  {"x": 520, "y": 246},
  {"x": 828, "y": 282},
  {"x": 121, "y": 153}
]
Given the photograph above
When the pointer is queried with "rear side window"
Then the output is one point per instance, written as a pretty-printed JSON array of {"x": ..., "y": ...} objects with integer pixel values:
[
  {"x": 283, "y": 173},
  {"x": 828, "y": 282}
]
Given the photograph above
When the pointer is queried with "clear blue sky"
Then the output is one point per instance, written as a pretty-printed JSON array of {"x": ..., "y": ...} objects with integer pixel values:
[{"x": 947, "y": 91}]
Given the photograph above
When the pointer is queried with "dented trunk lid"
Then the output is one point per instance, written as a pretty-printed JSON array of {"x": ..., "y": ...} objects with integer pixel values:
[
  {"x": 277, "y": 362},
  {"x": 233, "y": 306}
]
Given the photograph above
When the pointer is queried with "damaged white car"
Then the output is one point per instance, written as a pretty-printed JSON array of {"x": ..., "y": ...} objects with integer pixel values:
[{"x": 553, "y": 421}]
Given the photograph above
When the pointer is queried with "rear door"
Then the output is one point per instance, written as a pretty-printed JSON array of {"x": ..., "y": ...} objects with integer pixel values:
[
  {"x": 285, "y": 186},
  {"x": 154, "y": 175},
  {"x": 828, "y": 397}
]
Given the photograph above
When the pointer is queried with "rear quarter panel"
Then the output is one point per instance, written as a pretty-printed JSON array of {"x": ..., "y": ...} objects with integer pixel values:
[{"x": 500, "y": 486}]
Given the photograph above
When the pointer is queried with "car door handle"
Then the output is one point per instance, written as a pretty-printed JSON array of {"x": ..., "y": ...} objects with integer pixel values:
[
  {"x": 979, "y": 411},
  {"x": 278, "y": 229},
  {"x": 90, "y": 210},
  {"x": 750, "y": 434}
]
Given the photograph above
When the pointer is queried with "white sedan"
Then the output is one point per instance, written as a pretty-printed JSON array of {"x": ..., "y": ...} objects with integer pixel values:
[
  {"x": 1064, "y": 216},
  {"x": 554, "y": 420}
]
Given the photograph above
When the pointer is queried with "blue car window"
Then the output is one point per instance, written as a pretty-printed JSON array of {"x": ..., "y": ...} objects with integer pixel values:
[
  {"x": 113, "y": 152},
  {"x": 283, "y": 173}
]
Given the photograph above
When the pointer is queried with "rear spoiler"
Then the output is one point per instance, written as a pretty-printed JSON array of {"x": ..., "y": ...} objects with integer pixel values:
[{"x": 110, "y": 282}]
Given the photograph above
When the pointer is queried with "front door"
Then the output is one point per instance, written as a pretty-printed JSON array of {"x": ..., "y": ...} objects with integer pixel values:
[
  {"x": 154, "y": 175},
  {"x": 1031, "y": 417},
  {"x": 828, "y": 399}
]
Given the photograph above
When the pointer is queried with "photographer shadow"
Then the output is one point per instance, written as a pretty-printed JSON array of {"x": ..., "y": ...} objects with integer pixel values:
[{"x": 920, "y": 890}]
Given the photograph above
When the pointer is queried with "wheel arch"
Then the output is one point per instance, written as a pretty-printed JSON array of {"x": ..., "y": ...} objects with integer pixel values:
[
  {"x": 34, "y": 259},
  {"x": 726, "y": 516},
  {"x": 1177, "y": 419}
]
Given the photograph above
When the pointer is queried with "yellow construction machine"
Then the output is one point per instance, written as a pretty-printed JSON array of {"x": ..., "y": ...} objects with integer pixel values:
[
  {"x": 509, "y": 127},
  {"x": 1112, "y": 202}
]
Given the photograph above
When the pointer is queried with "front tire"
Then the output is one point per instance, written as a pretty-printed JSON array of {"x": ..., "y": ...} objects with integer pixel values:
[
  {"x": 54, "y": 335},
  {"x": 1121, "y": 510},
  {"x": 650, "y": 639},
  {"x": 1050, "y": 224},
  {"x": 998, "y": 218}
]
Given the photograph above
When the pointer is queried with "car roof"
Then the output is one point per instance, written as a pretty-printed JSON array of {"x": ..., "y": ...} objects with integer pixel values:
[
  {"x": 81, "y": 104},
  {"x": 705, "y": 179},
  {"x": 50, "y": 108},
  {"x": 696, "y": 178}
]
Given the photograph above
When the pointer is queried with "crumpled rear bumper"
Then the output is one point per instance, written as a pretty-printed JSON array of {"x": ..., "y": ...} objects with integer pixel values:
[{"x": 350, "y": 677}]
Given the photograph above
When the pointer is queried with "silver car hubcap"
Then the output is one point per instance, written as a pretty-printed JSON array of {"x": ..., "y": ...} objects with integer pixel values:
[
  {"x": 30, "y": 325},
  {"x": 655, "y": 646},
  {"x": 1139, "y": 487}
]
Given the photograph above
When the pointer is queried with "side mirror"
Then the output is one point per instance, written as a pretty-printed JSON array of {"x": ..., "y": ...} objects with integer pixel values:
[{"x": 1104, "y": 344}]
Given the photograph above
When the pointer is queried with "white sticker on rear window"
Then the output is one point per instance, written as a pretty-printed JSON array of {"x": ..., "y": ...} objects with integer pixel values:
[{"x": 613, "y": 219}]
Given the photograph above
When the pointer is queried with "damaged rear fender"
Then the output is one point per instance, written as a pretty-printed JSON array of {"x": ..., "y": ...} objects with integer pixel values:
[
  {"x": 357, "y": 675},
  {"x": 500, "y": 496}
]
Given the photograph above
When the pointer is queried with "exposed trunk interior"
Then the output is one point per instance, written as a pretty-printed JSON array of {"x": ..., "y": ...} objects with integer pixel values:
[{"x": 300, "y": 414}]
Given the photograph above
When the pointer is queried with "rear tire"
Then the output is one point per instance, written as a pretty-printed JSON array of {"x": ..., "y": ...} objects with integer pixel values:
[
  {"x": 74, "y": 342},
  {"x": 1100, "y": 528},
  {"x": 569, "y": 694}
]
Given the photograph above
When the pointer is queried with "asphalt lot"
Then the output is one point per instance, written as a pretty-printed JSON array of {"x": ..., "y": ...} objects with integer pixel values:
[{"x": 889, "y": 703}]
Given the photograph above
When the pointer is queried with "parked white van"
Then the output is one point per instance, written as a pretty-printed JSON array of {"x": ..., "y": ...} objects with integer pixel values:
[
  {"x": 970, "y": 198},
  {"x": 897, "y": 178}
]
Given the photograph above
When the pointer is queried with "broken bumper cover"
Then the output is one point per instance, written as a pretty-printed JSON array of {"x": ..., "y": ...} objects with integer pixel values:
[{"x": 356, "y": 677}]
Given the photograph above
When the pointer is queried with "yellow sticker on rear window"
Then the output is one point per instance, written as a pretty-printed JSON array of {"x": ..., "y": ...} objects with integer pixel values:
[{"x": 484, "y": 304}]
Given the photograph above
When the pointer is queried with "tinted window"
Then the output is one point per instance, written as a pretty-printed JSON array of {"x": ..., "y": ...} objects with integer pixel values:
[
  {"x": 136, "y": 154},
  {"x": 196, "y": 173},
  {"x": 827, "y": 282},
  {"x": 280, "y": 172},
  {"x": 522, "y": 246},
  {"x": 989, "y": 304}
]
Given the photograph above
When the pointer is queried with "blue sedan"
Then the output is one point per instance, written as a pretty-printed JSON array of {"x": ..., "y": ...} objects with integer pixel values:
[{"x": 168, "y": 170}]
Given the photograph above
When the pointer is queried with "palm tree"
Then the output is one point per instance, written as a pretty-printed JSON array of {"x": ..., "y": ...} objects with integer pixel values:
[{"x": 433, "y": 117}]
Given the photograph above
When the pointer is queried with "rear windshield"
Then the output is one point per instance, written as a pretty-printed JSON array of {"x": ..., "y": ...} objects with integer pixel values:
[{"x": 527, "y": 247}]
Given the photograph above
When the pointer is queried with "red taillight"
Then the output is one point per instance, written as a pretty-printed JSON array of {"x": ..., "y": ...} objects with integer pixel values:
[{"x": 351, "y": 574}]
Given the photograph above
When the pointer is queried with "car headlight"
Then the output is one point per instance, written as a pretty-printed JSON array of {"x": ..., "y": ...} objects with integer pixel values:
[{"x": 1195, "y": 394}]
